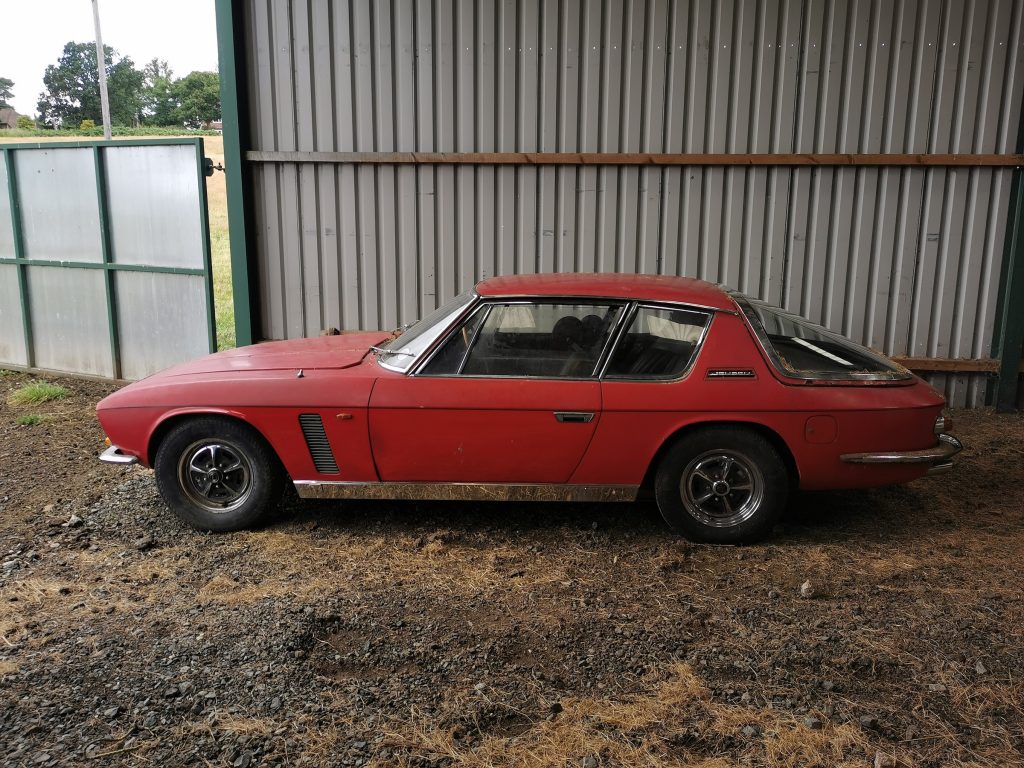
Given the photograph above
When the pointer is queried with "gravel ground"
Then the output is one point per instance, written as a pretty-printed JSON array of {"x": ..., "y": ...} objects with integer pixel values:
[{"x": 876, "y": 628}]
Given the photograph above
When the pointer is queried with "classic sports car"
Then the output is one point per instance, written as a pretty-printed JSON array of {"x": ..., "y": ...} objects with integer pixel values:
[{"x": 582, "y": 387}]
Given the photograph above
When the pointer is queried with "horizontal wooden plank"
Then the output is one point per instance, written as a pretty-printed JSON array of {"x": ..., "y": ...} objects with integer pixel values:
[
  {"x": 946, "y": 365},
  {"x": 638, "y": 158}
]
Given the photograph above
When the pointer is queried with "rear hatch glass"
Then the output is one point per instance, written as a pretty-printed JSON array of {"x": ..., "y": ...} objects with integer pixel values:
[{"x": 800, "y": 348}]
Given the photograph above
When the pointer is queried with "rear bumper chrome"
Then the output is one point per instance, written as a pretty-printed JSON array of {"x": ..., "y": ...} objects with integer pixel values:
[
  {"x": 113, "y": 455},
  {"x": 940, "y": 456}
]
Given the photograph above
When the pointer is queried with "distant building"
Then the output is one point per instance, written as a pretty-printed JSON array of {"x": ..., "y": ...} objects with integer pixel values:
[{"x": 8, "y": 118}]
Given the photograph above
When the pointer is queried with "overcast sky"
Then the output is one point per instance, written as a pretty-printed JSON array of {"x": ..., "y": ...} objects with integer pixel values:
[{"x": 34, "y": 33}]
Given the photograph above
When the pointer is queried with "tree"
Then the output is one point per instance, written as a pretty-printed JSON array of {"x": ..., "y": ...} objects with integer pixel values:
[
  {"x": 72, "y": 88},
  {"x": 26, "y": 123},
  {"x": 6, "y": 91},
  {"x": 158, "y": 102},
  {"x": 198, "y": 96}
]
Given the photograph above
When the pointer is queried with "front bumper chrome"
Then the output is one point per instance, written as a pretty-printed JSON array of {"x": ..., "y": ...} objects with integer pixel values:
[
  {"x": 113, "y": 455},
  {"x": 940, "y": 456}
]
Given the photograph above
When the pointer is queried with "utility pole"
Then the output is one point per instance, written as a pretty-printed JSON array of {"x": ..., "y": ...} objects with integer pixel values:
[{"x": 101, "y": 65}]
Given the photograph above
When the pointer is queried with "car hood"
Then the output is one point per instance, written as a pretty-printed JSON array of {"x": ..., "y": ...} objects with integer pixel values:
[{"x": 334, "y": 352}]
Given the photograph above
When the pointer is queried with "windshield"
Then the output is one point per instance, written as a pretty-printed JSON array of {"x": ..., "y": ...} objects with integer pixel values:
[
  {"x": 400, "y": 352},
  {"x": 800, "y": 348}
]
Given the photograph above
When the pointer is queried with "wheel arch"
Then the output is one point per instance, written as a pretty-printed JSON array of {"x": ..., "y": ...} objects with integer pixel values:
[
  {"x": 769, "y": 434},
  {"x": 173, "y": 419}
]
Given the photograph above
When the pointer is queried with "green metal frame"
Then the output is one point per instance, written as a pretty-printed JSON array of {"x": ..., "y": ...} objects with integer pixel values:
[
  {"x": 232, "y": 99},
  {"x": 19, "y": 253},
  {"x": 107, "y": 263},
  {"x": 1008, "y": 339}
]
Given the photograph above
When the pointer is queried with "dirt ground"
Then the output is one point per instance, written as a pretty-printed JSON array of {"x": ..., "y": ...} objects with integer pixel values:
[{"x": 476, "y": 635}]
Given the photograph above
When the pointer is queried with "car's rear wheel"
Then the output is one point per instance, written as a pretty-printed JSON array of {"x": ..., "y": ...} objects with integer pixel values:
[
  {"x": 217, "y": 474},
  {"x": 722, "y": 485}
]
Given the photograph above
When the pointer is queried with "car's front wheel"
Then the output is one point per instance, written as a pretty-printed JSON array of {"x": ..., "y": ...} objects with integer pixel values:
[
  {"x": 722, "y": 485},
  {"x": 217, "y": 474}
]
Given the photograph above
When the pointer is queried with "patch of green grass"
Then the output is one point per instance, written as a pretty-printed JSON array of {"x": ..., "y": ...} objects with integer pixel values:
[
  {"x": 30, "y": 421},
  {"x": 5, "y": 372},
  {"x": 220, "y": 248},
  {"x": 37, "y": 392}
]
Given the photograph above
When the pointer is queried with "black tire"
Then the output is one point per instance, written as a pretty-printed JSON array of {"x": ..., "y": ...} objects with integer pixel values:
[
  {"x": 217, "y": 474},
  {"x": 722, "y": 485}
]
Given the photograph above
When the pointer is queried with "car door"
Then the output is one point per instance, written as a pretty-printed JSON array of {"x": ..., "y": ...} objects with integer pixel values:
[
  {"x": 646, "y": 392},
  {"x": 509, "y": 396}
]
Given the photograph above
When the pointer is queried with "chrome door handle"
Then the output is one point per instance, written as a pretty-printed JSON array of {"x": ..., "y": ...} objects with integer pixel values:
[{"x": 574, "y": 417}]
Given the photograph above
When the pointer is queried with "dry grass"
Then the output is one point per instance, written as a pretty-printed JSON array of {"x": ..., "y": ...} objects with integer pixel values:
[
  {"x": 22, "y": 602},
  {"x": 300, "y": 566},
  {"x": 674, "y": 723}
]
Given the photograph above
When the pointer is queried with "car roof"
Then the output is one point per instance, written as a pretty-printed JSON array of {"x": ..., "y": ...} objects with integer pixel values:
[{"x": 612, "y": 285}]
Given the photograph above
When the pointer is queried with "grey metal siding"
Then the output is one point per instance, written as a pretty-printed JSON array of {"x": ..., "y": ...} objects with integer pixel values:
[{"x": 905, "y": 259}]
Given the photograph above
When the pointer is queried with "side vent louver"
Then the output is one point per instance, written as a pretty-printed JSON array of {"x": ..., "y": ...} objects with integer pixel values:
[{"x": 316, "y": 438}]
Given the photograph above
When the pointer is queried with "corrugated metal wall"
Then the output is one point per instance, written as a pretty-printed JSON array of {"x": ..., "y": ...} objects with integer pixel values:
[{"x": 907, "y": 260}]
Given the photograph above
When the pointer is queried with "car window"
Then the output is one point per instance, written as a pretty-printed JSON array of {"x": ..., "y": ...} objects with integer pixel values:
[
  {"x": 450, "y": 357},
  {"x": 401, "y": 352},
  {"x": 799, "y": 347},
  {"x": 659, "y": 343},
  {"x": 535, "y": 340}
]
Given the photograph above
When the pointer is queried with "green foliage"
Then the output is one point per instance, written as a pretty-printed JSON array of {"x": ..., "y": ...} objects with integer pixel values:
[
  {"x": 6, "y": 91},
  {"x": 159, "y": 105},
  {"x": 26, "y": 123},
  {"x": 119, "y": 131},
  {"x": 72, "y": 88},
  {"x": 37, "y": 392},
  {"x": 30, "y": 421},
  {"x": 198, "y": 98},
  {"x": 87, "y": 125}
]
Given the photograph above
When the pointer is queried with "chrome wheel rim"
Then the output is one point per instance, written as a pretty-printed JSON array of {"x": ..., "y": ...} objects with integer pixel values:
[
  {"x": 721, "y": 489},
  {"x": 215, "y": 475}
]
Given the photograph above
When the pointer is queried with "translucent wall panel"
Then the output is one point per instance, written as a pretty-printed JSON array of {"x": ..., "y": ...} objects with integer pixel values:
[
  {"x": 69, "y": 320},
  {"x": 12, "y": 330},
  {"x": 154, "y": 202},
  {"x": 161, "y": 320},
  {"x": 6, "y": 226},
  {"x": 59, "y": 208}
]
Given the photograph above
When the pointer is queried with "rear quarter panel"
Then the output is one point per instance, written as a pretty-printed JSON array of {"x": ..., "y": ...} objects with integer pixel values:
[{"x": 818, "y": 423}]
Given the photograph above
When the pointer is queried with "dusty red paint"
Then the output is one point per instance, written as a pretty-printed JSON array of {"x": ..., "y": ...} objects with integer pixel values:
[{"x": 503, "y": 430}]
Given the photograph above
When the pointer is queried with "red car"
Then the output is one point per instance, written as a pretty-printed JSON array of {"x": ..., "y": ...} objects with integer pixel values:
[{"x": 577, "y": 387}]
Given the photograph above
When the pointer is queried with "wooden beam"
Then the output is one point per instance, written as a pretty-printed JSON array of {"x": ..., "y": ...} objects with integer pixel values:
[
  {"x": 640, "y": 158},
  {"x": 947, "y": 365}
]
